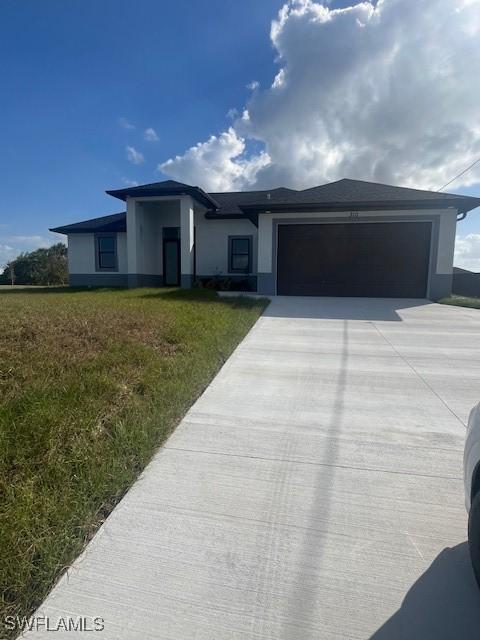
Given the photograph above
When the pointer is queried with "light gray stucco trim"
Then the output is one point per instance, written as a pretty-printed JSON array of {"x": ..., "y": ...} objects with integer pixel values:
[{"x": 438, "y": 285}]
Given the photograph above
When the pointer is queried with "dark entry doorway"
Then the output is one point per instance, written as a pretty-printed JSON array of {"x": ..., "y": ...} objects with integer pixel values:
[{"x": 171, "y": 262}]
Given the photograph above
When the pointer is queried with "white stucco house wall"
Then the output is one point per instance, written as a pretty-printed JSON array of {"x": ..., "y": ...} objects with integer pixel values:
[{"x": 346, "y": 238}]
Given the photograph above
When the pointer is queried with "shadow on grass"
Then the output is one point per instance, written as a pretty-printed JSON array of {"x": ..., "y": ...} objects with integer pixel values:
[
  {"x": 205, "y": 295},
  {"x": 150, "y": 293},
  {"x": 30, "y": 290}
]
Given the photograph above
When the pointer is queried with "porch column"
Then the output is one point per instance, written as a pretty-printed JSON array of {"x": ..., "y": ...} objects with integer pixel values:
[
  {"x": 134, "y": 253},
  {"x": 186, "y": 241},
  {"x": 265, "y": 276}
]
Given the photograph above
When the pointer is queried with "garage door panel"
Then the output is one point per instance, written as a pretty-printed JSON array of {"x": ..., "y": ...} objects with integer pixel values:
[{"x": 356, "y": 259}]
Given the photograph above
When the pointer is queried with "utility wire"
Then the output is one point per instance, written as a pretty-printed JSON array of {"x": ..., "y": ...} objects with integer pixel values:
[{"x": 459, "y": 175}]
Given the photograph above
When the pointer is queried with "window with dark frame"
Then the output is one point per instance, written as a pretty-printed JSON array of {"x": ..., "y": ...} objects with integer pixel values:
[
  {"x": 240, "y": 254},
  {"x": 107, "y": 252}
]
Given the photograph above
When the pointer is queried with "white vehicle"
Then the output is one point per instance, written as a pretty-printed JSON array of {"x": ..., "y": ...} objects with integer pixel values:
[{"x": 471, "y": 469}]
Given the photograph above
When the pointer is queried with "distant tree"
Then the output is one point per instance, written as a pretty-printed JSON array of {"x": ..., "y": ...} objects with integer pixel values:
[
  {"x": 8, "y": 275},
  {"x": 41, "y": 267}
]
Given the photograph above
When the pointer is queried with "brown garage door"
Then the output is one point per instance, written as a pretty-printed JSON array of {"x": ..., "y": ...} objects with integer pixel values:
[{"x": 381, "y": 259}]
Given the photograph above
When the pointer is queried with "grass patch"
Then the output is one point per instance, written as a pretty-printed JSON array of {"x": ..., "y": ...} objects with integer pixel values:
[
  {"x": 461, "y": 301},
  {"x": 91, "y": 383}
]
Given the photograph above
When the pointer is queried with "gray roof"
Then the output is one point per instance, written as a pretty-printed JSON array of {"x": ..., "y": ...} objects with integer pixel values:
[
  {"x": 165, "y": 188},
  {"x": 343, "y": 193},
  {"x": 340, "y": 195},
  {"x": 113, "y": 223},
  {"x": 347, "y": 190}
]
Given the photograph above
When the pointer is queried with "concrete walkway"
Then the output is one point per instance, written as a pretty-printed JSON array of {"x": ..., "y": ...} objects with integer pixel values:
[{"x": 313, "y": 491}]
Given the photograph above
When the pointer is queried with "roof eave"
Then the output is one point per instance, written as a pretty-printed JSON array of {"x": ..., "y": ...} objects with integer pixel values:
[
  {"x": 213, "y": 215},
  {"x": 137, "y": 192},
  {"x": 59, "y": 230},
  {"x": 117, "y": 226},
  {"x": 473, "y": 203},
  {"x": 461, "y": 204}
]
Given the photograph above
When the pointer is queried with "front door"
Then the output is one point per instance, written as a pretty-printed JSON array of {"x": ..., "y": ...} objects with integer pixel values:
[{"x": 171, "y": 262}]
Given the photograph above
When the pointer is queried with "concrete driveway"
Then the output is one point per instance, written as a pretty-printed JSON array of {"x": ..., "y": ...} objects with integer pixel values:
[{"x": 313, "y": 491}]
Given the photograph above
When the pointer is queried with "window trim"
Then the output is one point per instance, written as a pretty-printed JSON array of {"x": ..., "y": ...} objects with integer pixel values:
[
  {"x": 230, "y": 254},
  {"x": 98, "y": 236}
]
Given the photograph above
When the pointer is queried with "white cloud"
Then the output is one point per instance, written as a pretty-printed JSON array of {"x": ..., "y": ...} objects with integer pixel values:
[
  {"x": 232, "y": 113},
  {"x": 12, "y": 245},
  {"x": 7, "y": 253},
  {"x": 467, "y": 252},
  {"x": 126, "y": 124},
  {"x": 150, "y": 135},
  {"x": 32, "y": 241},
  {"x": 218, "y": 164},
  {"x": 384, "y": 91},
  {"x": 253, "y": 85},
  {"x": 129, "y": 183},
  {"x": 134, "y": 156}
]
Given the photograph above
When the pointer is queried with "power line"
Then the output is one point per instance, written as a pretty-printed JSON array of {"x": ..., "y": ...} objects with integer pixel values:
[{"x": 459, "y": 175}]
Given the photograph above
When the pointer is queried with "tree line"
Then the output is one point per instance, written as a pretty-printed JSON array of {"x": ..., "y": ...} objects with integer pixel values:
[{"x": 41, "y": 267}]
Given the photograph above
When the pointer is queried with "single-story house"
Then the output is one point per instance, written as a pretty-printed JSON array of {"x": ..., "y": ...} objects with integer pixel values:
[{"x": 345, "y": 238}]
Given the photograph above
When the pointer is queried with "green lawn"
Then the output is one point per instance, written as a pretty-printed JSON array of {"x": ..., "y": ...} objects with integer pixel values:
[
  {"x": 462, "y": 301},
  {"x": 91, "y": 383}
]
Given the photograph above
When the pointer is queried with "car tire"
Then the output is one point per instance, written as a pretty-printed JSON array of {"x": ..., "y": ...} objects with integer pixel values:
[{"x": 474, "y": 536}]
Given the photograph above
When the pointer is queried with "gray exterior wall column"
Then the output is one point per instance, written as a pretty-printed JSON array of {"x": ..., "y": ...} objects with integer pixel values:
[{"x": 186, "y": 242}]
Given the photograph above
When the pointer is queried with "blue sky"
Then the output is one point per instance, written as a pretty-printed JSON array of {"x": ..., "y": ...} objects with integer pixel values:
[
  {"x": 73, "y": 69},
  {"x": 83, "y": 80}
]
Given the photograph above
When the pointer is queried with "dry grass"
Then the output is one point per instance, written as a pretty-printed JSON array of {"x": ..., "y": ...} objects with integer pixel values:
[{"x": 91, "y": 382}]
